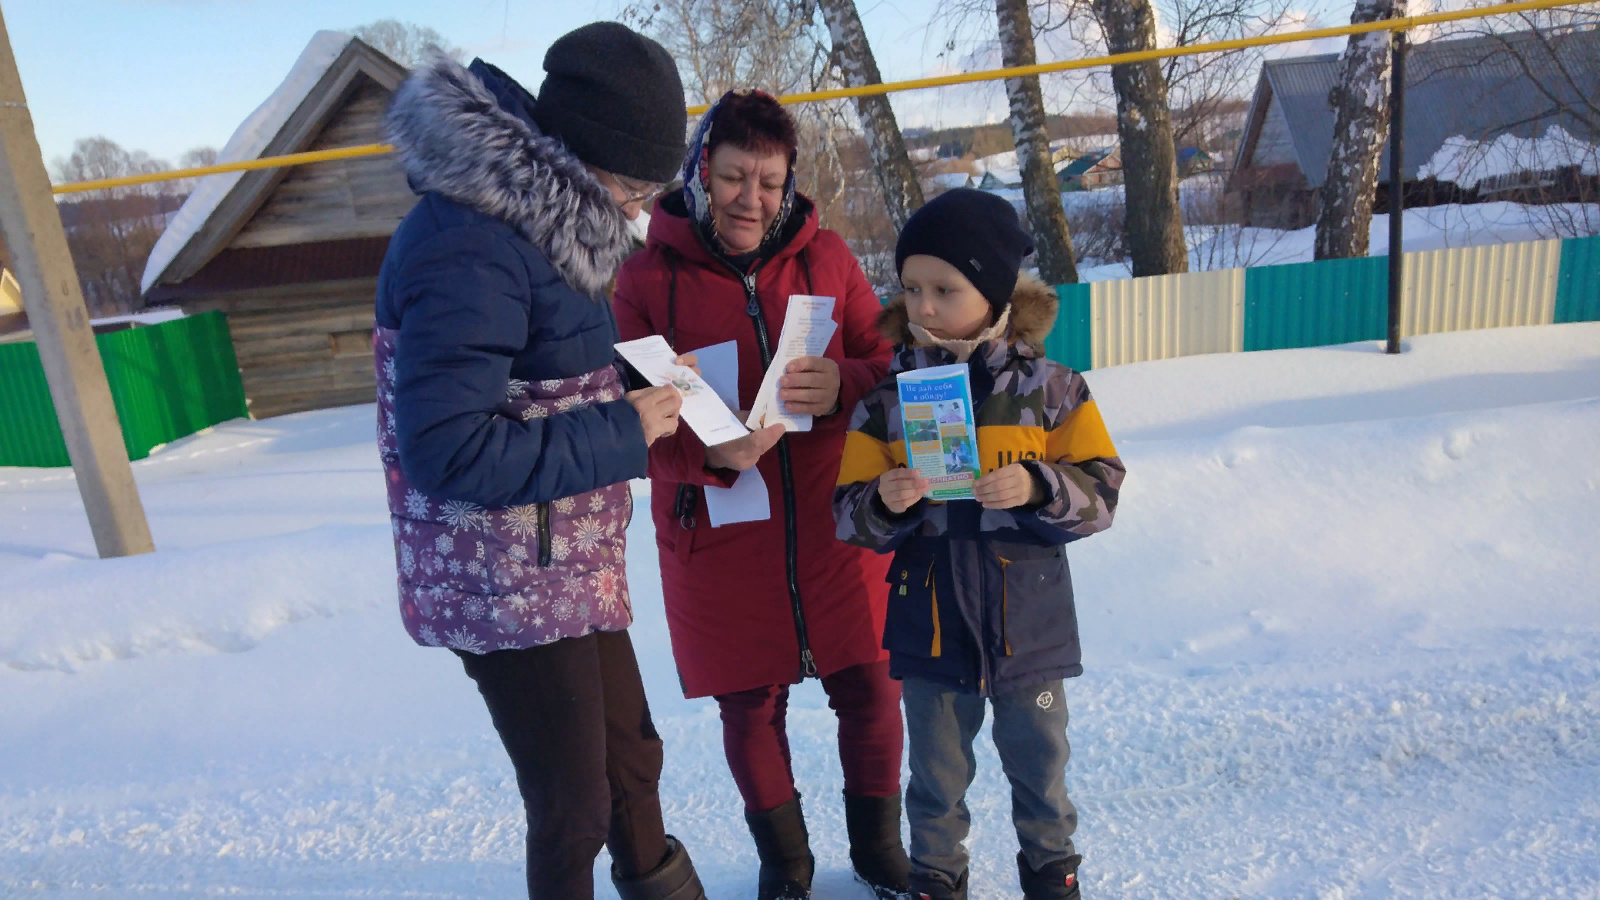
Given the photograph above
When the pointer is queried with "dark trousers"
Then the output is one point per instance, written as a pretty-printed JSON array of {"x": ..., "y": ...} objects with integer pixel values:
[
  {"x": 573, "y": 717},
  {"x": 871, "y": 736}
]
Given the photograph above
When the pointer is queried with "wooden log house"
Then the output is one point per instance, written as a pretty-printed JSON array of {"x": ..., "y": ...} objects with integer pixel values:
[{"x": 291, "y": 256}]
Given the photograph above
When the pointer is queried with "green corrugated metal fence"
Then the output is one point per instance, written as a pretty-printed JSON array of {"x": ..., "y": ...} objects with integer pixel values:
[
  {"x": 1334, "y": 301},
  {"x": 1578, "y": 285},
  {"x": 167, "y": 381},
  {"x": 1070, "y": 342},
  {"x": 1329, "y": 302}
]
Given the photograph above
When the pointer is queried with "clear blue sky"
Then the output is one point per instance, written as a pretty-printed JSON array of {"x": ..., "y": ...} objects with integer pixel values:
[{"x": 165, "y": 76}]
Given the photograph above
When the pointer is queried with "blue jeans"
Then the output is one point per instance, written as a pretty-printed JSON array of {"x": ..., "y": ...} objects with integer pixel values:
[{"x": 1030, "y": 732}]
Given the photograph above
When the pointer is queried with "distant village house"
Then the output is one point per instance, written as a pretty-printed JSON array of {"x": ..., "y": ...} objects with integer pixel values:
[{"x": 1464, "y": 96}]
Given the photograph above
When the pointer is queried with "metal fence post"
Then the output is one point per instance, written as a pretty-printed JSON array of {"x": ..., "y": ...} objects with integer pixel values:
[{"x": 1397, "y": 184}]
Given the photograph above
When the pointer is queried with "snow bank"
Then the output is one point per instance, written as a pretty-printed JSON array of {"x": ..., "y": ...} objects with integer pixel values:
[
  {"x": 248, "y": 142},
  {"x": 62, "y": 612}
]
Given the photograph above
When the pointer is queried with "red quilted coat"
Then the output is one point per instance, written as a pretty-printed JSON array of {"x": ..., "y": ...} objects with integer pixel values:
[{"x": 758, "y": 603}]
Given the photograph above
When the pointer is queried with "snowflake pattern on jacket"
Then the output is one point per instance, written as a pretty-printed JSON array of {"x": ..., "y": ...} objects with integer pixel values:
[{"x": 480, "y": 580}]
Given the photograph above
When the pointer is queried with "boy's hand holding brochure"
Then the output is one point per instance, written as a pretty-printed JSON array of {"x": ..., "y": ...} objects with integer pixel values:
[
  {"x": 1008, "y": 487},
  {"x": 900, "y": 489}
]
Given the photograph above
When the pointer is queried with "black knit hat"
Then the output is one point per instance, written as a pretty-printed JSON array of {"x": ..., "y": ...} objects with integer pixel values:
[
  {"x": 613, "y": 97},
  {"x": 974, "y": 231}
]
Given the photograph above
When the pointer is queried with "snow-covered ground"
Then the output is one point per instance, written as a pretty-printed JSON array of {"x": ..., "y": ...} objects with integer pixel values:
[{"x": 1343, "y": 641}]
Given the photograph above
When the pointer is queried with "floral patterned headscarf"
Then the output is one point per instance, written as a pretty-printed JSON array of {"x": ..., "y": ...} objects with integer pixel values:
[{"x": 697, "y": 184}]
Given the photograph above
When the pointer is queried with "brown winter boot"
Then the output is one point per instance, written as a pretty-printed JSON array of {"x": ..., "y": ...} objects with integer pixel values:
[
  {"x": 784, "y": 847},
  {"x": 674, "y": 879}
]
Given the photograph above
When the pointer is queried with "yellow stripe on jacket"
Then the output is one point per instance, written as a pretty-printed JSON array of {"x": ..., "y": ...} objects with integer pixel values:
[
  {"x": 1081, "y": 436},
  {"x": 866, "y": 457}
]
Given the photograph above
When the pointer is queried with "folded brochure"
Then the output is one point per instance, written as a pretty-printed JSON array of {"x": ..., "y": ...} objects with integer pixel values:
[
  {"x": 703, "y": 412},
  {"x": 808, "y": 326},
  {"x": 941, "y": 437}
]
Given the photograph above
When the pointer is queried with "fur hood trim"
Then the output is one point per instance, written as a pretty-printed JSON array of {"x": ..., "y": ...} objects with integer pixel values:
[
  {"x": 456, "y": 140},
  {"x": 1033, "y": 314}
]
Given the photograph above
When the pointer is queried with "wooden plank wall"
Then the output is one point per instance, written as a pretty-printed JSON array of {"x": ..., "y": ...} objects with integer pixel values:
[
  {"x": 349, "y": 198},
  {"x": 301, "y": 346},
  {"x": 1275, "y": 145}
]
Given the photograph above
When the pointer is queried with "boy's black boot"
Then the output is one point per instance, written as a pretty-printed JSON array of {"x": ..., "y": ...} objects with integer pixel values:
[
  {"x": 785, "y": 851},
  {"x": 935, "y": 886},
  {"x": 876, "y": 852},
  {"x": 1056, "y": 881},
  {"x": 674, "y": 879}
]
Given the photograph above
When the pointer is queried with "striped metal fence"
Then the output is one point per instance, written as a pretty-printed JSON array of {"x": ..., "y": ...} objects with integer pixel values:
[
  {"x": 1314, "y": 304},
  {"x": 167, "y": 381}
]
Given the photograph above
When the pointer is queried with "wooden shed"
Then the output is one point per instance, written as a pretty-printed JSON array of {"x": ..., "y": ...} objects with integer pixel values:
[{"x": 291, "y": 256}]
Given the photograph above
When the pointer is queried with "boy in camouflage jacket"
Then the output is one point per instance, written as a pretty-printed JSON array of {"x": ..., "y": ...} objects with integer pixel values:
[{"x": 980, "y": 604}]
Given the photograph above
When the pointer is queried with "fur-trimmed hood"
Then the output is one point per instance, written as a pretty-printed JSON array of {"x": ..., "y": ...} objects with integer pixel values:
[
  {"x": 1033, "y": 315},
  {"x": 460, "y": 135}
]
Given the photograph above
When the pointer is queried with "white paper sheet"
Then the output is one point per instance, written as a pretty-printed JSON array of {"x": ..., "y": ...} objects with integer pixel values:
[
  {"x": 702, "y": 410},
  {"x": 807, "y": 327},
  {"x": 746, "y": 499}
]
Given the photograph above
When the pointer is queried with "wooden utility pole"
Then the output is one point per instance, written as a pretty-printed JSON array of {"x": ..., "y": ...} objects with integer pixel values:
[{"x": 54, "y": 301}]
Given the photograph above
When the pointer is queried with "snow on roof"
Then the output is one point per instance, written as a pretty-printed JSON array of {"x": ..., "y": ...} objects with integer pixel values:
[
  {"x": 948, "y": 180},
  {"x": 1468, "y": 163},
  {"x": 1001, "y": 161},
  {"x": 149, "y": 317},
  {"x": 249, "y": 141}
]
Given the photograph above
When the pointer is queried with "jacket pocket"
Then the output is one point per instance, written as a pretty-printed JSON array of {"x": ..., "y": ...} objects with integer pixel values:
[
  {"x": 544, "y": 535},
  {"x": 1036, "y": 608},
  {"x": 912, "y": 626}
]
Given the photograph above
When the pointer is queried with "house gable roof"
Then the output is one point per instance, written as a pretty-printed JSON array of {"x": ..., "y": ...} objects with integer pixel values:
[
  {"x": 1086, "y": 162},
  {"x": 327, "y": 72},
  {"x": 1477, "y": 87}
]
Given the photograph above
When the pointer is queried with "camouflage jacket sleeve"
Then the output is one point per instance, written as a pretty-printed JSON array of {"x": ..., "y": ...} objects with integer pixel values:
[
  {"x": 869, "y": 451},
  {"x": 1081, "y": 472}
]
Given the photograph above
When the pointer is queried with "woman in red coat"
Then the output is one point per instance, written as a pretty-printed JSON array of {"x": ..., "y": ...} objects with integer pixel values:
[{"x": 754, "y": 607}]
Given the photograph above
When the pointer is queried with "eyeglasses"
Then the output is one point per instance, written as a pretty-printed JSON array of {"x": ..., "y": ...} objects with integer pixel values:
[{"x": 634, "y": 191}]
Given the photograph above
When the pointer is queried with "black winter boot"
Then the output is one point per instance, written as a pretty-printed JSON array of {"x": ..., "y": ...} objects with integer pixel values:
[
  {"x": 876, "y": 852},
  {"x": 935, "y": 886},
  {"x": 785, "y": 851},
  {"x": 674, "y": 879},
  {"x": 1056, "y": 881}
]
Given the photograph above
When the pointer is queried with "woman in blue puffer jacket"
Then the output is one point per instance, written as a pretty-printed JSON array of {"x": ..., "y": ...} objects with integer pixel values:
[{"x": 508, "y": 435}]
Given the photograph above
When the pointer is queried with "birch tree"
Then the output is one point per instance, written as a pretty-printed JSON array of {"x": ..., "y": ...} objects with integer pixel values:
[
  {"x": 1040, "y": 190},
  {"x": 1154, "y": 224},
  {"x": 1360, "y": 101},
  {"x": 902, "y": 193}
]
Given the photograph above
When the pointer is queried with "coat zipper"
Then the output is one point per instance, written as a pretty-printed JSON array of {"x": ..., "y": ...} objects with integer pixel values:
[
  {"x": 1005, "y": 612},
  {"x": 544, "y": 533},
  {"x": 983, "y": 634},
  {"x": 808, "y": 665}
]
